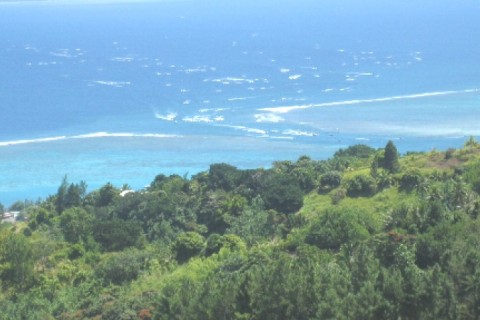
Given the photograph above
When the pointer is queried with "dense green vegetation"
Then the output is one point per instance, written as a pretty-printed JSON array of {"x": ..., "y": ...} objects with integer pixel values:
[{"x": 366, "y": 234}]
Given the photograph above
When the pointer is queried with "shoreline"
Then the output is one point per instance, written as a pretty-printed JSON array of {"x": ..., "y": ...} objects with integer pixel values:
[{"x": 36, "y": 172}]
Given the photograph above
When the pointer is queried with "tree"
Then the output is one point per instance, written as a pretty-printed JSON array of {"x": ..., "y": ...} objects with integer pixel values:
[
  {"x": 187, "y": 245},
  {"x": 70, "y": 195},
  {"x": 117, "y": 234},
  {"x": 356, "y": 151},
  {"x": 224, "y": 176},
  {"x": 390, "y": 158},
  {"x": 76, "y": 224},
  {"x": 330, "y": 180},
  {"x": 122, "y": 267},
  {"x": 361, "y": 185},
  {"x": 106, "y": 195},
  {"x": 39, "y": 216},
  {"x": 410, "y": 180},
  {"x": 281, "y": 193},
  {"x": 61, "y": 193},
  {"x": 339, "y": 226},
  {"x": 16, "y": 260}
]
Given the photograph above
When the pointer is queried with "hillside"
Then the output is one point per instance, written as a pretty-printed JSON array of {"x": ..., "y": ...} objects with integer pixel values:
[{"x": 367, "y": 234}]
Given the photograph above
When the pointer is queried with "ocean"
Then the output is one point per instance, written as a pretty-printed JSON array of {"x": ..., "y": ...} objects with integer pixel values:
[{"x": 122, "y": 91}]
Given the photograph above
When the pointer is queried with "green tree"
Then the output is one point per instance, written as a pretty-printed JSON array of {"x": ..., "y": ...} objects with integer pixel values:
[
  {"x": 115, "y": 235},
  {"x": 76, "y": 224},
  {"x": 356, "y": 151},
  {"x": 281, "y": 193},
  {"x": 38, "y": 216},
  {"x": 122, "y": 267},
  {"x": 336, "y": 227},
  {"x": 361, "y": 185},
  {"x": 107, "y": 195},
  {"x": 390, "y": 158},
  {"x": 330, "y": 180},
  {"x": 411, "y": 180},
  {"x": 224, "y": 176},
  {"x": 187, "y": 245},
  {"x": 16, "y": 260},
  {"x": 69, "y": 195}
]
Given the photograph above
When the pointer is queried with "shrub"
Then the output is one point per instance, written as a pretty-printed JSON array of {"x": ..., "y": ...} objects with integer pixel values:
[
  {"x": 410, "y": 180},
  {"x": 187, "y": 245},
  {"x": 122, "y": 267},
  {"x": 361, "y": 185},
  {"x": 330, "y": 180},
  {"x": 338, "y": 195},
  {"x": 281, "y": 193},
  {"x": 357, "y": 151},
  {"x": 339, "y": 226},
  {"x": 117, "y": 234}
]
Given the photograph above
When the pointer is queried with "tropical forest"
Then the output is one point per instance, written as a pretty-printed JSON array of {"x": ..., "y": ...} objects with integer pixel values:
[{"x": 367, "y": 234}]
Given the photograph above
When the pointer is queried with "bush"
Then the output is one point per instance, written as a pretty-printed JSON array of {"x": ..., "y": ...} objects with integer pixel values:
[
  {"x": 115, "y": 235},
  {"x": 339, "y": 226},
  {"x": 356, "y": 151},
  {"x": 361, "y": 185},
  {"x": 122, "y": 267},
  {"x": 410, "y": 180},
  {"x": 338, "y": 195},
  {"x": 390, "y": 160},
  {"x": 76, "y": 251},
  {"x": 223, "y": 176},
  {"x": 281, "y": 193},
  {"x": 76, "y": 224},
  {"x": 330, "y": 180},
  {"x": 187, "y": 245},
  {"x": 449, "y": 153}
]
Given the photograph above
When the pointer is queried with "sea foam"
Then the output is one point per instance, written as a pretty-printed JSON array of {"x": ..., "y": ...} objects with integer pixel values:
[
  {"x": 87, "y": 136},
  {"x": 287, "y": 109},
  {"x": 115, "y": 84},
  {"x": 247, "y": 129},
  {"x": 292, "y": 132},
  {"x": 268, "y": 117},
  {"x": 168, "y": 117}
]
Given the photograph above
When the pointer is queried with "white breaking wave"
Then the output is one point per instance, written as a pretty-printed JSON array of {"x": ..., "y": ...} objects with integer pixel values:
[
  {"x": 247, "y": 129},
  {"x": 281, "y": 137},
  {"x": 239, "y": 99},
  {"x": 199, "y": 69},
  {"x": 66, "y": 53},
  {"x": 431, "y": 131},
  {"x": 292, "y": 132},
  {"x": 212, "y": 110},
  {"x": 295, "y": 77},
  {"x": 203, "y": 118},
  {"x": 234, "y": 80},
  {"x": 268, "y": 117},
  {"x": 87, "y": 136},
  {"x": 360, "y": 74},
  {"x": 116, "y": 84},
  {"x": 287, "y": 109},
  {"x": 28, "y": 141},
  {"x": 123, "y": 59},
  {"x": 168, "y": 117},
  {"x": 122, "y": 135}
]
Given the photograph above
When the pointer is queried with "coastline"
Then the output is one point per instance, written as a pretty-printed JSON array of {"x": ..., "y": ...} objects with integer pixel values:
[{"x": 35, "y": 170}]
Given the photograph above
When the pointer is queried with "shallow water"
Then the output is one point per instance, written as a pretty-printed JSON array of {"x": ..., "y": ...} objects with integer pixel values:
[{"x": 121, "y": 92}]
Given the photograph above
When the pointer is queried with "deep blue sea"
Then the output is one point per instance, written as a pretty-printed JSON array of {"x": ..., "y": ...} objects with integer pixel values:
[{"x": 120, "y": 92}]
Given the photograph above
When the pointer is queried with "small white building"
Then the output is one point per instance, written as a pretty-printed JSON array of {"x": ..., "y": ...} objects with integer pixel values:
[{"x": 10, "y": 217}]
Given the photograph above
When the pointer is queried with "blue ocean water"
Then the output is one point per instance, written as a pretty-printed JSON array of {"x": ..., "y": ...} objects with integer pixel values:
[{"x": 119, "y": 92}]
